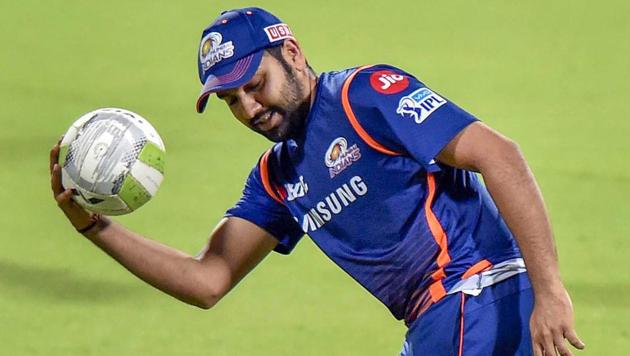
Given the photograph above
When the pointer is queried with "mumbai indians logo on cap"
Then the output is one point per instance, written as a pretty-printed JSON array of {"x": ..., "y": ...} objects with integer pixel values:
[
  {"x": 212, "y": 51},
  {"x": 339, "y": 156},
  {"x": 419, "y": 104}
]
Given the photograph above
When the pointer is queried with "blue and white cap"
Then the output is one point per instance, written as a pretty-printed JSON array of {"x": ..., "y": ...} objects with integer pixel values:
[{"x": 232, "y": 47}]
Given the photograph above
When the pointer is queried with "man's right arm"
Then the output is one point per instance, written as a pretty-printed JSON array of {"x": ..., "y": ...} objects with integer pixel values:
[{"x": 235, "y": 248}]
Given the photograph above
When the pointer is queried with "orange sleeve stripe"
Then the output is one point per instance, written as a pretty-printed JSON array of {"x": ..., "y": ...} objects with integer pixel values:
[
  {"x": 345, "y": 102},
  {"x": 480, "y": 266},
  {"x": 264, "y": 174}
]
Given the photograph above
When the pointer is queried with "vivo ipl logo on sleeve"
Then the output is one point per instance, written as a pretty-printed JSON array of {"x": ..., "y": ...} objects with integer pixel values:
[{"x": 419, "y": 104}]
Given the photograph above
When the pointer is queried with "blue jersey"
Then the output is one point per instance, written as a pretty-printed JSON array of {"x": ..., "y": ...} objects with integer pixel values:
[{"x": 363, "y": 183}]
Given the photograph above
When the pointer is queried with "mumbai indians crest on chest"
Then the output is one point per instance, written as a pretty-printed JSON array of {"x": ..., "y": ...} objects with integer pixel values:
[
  {"x": 213, "y": 51},
  {"x": 419, "y": 104},
  {"x": 339, "y": 156}
]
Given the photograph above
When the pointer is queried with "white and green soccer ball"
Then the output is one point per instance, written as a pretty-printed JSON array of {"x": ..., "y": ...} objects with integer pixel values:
[{"x": 113, "y": 159}]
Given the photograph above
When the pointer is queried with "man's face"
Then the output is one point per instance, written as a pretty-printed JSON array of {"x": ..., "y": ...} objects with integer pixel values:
[{"x": 273, "y": 103}]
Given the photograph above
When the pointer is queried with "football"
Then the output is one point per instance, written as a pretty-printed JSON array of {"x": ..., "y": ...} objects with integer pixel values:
[{"x": 113, "y": 159}]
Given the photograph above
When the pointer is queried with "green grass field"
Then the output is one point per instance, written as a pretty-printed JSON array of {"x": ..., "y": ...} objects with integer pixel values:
[{"x": 551, "y": 75}]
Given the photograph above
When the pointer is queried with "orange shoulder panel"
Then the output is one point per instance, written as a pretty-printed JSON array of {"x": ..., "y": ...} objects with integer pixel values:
[
  {"x": 345, "y": 102},
  {"x": 264, "y": 174}
]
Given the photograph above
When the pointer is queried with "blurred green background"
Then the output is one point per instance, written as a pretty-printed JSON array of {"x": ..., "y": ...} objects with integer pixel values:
[{"x": 552, "y": 75}]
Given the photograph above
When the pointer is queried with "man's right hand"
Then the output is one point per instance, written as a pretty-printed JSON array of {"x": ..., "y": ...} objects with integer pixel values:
[{"x": 79, "y": 218}]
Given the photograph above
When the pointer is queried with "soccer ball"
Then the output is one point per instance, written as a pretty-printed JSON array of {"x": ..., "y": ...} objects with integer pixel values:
[{"x": 113, "y": 159}]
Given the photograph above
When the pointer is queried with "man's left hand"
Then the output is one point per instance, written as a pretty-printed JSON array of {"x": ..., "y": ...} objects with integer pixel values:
[{"x": 552, "y": 322}]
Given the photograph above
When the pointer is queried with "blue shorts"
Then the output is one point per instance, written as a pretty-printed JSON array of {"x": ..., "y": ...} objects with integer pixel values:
[{"x": 494, "y": 323}]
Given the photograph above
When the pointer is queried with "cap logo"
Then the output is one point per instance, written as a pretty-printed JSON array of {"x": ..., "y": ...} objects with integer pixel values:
[
  {"x": 278, "y": 32},
  {"x": 212, "y": 51}
]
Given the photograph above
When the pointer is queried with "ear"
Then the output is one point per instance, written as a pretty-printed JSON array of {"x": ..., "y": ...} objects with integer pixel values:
[{"x": 293, "y": 54}]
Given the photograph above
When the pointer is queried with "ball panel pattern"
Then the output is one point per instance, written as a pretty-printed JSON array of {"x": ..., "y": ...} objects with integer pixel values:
[
  {"x": 100, "y": 154},
  {"x": 149, "y": 177},
  {"x": 133, "y": 193},
  {"x": 153, "y": 156}
]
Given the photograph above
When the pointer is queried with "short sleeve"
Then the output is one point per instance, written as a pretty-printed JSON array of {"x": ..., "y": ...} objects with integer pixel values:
[
  {"x": 403, "y": 114},
  {"x": 256, "y": 206}
]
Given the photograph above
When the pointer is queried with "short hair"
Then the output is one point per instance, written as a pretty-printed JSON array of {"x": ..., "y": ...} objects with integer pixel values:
[{"x": 276, "y": 52}]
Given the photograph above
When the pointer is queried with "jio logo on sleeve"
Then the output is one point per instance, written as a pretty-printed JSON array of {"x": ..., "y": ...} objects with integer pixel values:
[{"x": 388, "y": 82}]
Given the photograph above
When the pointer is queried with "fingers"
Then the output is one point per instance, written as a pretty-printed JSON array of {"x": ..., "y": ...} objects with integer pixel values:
[
  {"x": 78, "y": 216},
  {"x": 548, "y": 347},
  {"x": 561, "y": 346},
  {"x": 574, "y": 339},
  {"x": 542, "y": 339},
  {"x": 55, "y": 180},
  {"x": 64, "y": 198},
  {"x": 54, "y": 156},
  {"x": 551, "y": 345}
]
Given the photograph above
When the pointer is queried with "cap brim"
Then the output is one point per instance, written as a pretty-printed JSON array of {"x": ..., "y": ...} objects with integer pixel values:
[{"x": 229, "y": 77}]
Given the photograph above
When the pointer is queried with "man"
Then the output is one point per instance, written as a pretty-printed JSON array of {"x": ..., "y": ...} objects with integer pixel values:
[{"x": 377, "y": 169}]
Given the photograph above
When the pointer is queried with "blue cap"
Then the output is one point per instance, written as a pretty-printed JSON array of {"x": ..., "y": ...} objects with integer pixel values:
[{"x": 232, "y": 47}]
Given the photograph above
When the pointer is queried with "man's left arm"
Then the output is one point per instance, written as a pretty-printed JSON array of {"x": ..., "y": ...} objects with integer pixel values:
[{"x": 515, "y": 192}]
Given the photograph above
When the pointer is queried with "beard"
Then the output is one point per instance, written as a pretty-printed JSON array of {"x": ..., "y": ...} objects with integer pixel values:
[{"x": 293, "y": 112}]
